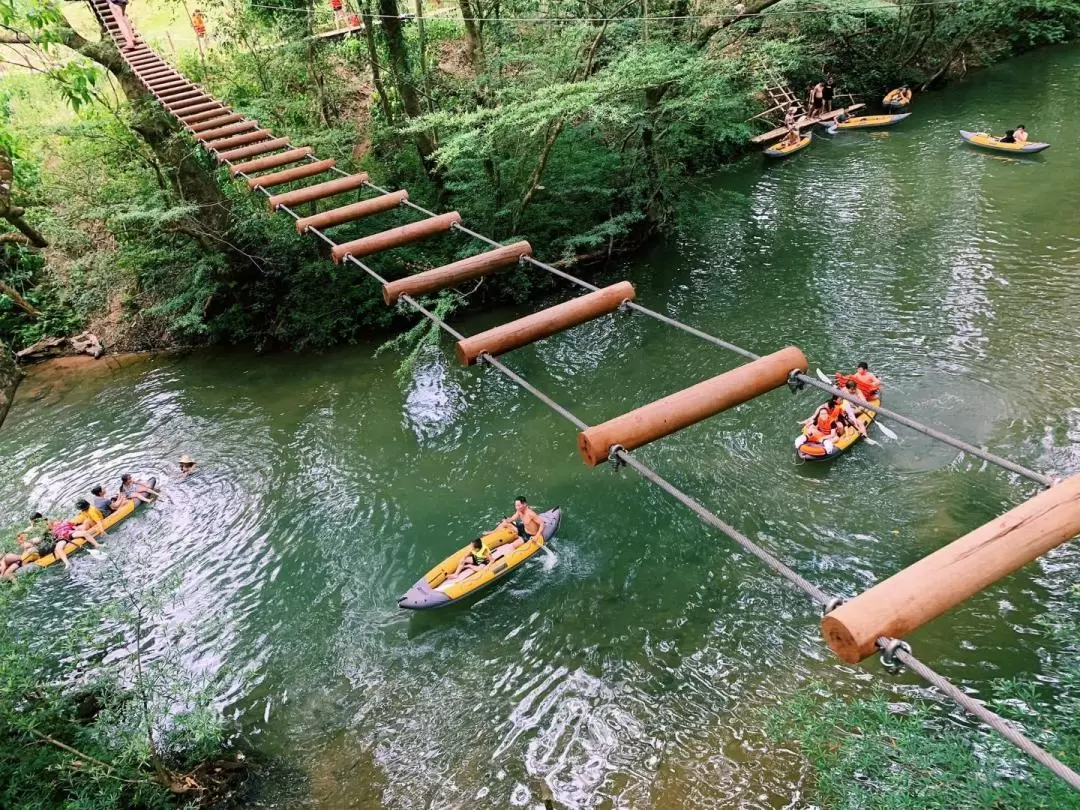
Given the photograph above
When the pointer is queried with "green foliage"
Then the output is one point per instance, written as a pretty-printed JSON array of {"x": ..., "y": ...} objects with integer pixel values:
[
  {"x": 423, "y": 334},
  {"x": 109, "y": 736},
  {"x": 883, "y": 751}
]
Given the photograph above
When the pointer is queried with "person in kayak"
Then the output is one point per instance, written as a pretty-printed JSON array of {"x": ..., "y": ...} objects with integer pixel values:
[
  {"x": 1010, "y": 136},
  {"x": 105, "y": 503},
  {"x": 78, "y": 527},
  {"x": 851, "y": 410},
  {"x": 478, "y": 557},
  {"x": 136, "y": 490},
  {"x": 11, "y": 561},
  {"x": 524, "y": 519},
  {"x": 869, "y": 385},
  {"x": 826, "y": 425},
  {"x": 1020, "y": 134}
]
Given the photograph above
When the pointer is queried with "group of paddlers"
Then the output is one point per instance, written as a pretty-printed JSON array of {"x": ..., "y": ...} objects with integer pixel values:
[
  {"x": 46, "y": 536},
  {"x": 833, "y": 419}
]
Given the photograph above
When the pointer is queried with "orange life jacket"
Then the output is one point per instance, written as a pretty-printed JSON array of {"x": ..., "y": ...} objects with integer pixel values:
[
  {"x": 824, "y": 420},
  {"x": 868, "y": 384},
  {"x": 199, "y": 24}
]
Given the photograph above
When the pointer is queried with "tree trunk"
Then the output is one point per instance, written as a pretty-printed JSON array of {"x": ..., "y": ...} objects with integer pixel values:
[
  {"x": 19, "y": 301},
  {"x": 421, "y": 37},
  {"x": 325, "y": 113},
  {"x": 554, "y": 130},
  {"x": 410, "y": 99},
  {"x": 9, "y": 380},
  {"x": 474, "y": 45},
  {"x": 373, "y": 57}
]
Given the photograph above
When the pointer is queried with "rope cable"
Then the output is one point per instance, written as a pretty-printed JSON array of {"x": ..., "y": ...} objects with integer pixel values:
[
  {"x": 794, "y": 12},
  {"x": 989, "y": 717}
]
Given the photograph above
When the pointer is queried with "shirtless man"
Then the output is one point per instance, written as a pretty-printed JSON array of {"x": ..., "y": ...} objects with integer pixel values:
[
  {"x": 816, "y": 102},
  {"x": 524, "y": 519}
]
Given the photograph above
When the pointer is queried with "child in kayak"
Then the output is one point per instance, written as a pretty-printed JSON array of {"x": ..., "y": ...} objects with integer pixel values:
[{"x": 477, "y": 558}]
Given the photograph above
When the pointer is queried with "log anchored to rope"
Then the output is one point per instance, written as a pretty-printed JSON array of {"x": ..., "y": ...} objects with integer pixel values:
[
  {"x": 940, "y": 581},
  {"x": 684, "y": 408},
  {"x": 542, "y": 324}
]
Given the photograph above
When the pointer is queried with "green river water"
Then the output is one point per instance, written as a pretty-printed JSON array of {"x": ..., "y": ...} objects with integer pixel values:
[{"x": 632, "y": 671}]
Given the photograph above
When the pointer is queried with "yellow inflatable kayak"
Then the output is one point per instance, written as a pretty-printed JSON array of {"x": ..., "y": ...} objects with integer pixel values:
[
  {"x": 815, "y": 451},
  {"x": 868, "y": 122},
  {"x": 894, "y": 100},
  {"x": 987, "y": 141},
  {"x": 778, "y": 151},
  {"x": 32, "y": 562},
  {"x": 439, "y": 588}
]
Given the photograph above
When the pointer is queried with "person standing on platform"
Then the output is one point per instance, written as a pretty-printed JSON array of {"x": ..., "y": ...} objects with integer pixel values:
[
  {"x": 827, "y": 94},
  {"x": 119, "y": 12},
  {"x": 815, "y": 102}
]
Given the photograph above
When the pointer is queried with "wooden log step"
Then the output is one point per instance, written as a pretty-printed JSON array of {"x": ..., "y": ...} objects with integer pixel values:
[
  {"x": 184, "y": 110},
  {"x": 689, "y": 406},
  {"x": 289, "y": 175},
  {"x": 214, "y": 123},
  {"x": 542, "y": 324},
  {"x": 395, "y": 237},
  {"x": 225, "y": 131},
  {"x": 254, "y": 149},
  {"x": 170, "y": 87},
  {"x": 450, "y": 275},
  {"x": 351, "y": 213},
  {"x": 186, "y": 97},
  {"x": 271, "y": 161},
  {"x": 238, "y": 140},
  {"x": 942, "y": 580},
  {"x": 198, "y": 118},
  {"x": 177, "y": 91},
  {"x": 149, "y": 74},
  {"x": 318, "y": 191}
]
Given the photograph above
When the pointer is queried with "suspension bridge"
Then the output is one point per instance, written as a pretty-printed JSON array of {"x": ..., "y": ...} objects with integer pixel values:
[{"x": 874, "y": 621}]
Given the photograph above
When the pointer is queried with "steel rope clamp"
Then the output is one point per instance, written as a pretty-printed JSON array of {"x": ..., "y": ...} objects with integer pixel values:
[
  {"x": 793, "y": 381},
  {"x": 832, "y": 605},
  {"x": 613, "y": 455},
  {"x": 888, "y": 654}
]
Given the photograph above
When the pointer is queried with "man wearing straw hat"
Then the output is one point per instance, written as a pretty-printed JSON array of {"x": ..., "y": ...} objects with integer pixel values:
[{"x": 187, "y": 466}]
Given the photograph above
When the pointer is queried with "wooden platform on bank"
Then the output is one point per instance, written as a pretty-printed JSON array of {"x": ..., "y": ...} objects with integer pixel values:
[{"x": 806, "y": 122}]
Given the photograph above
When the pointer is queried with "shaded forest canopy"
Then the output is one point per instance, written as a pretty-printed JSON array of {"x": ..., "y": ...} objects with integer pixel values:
[{"x": 575, "y": 134}]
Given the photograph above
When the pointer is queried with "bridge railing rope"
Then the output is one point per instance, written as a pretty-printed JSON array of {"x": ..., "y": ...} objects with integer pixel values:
[{"x": 230, "y": 137}]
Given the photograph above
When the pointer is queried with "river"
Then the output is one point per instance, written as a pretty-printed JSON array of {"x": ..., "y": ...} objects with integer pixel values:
[{"x": 631, "y": 671}]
